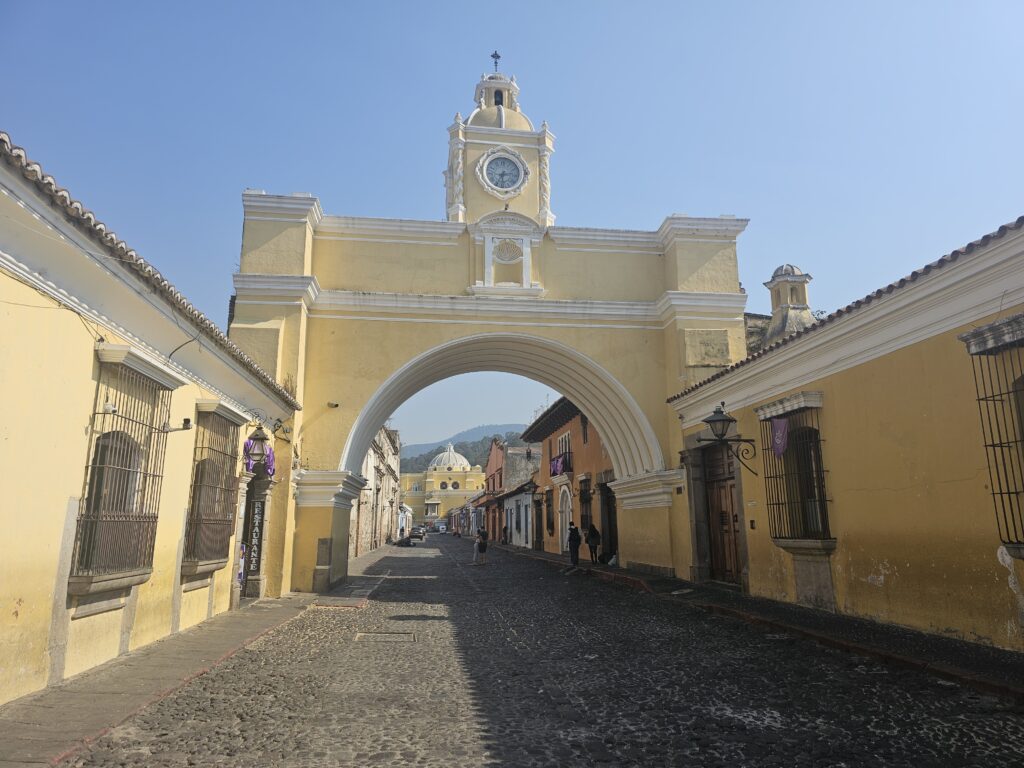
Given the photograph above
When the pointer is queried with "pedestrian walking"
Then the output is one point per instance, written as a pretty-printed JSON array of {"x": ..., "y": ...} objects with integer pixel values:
[
  {"x": 481, "y": 547},
  {"x": 504, "y": 535},
  {"x": 593, "y": 541},
  {"x": 574, "y": 543},
  {"x": 476, "y": 547}
]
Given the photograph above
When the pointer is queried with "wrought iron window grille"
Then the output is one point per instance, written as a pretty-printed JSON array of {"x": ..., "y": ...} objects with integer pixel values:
[
  {"x": 117, "y": 518},
  {"x": 214, "y": 493},
  {"x": 997, "y": 354},
  {"x": 794, "y": 478}
]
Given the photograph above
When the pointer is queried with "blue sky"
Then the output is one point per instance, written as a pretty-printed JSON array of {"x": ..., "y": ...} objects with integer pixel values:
[{"x": 861, "y": 139}]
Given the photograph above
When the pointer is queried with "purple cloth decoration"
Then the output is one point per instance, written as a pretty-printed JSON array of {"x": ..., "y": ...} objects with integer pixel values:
[
  {"x": 780, "y": 436},
  {"x": 250, "y": 462},
  {"x": 556, "y": 465}
]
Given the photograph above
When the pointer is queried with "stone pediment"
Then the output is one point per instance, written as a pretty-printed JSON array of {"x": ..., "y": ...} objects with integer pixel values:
[{"x": 506, "y": 223}]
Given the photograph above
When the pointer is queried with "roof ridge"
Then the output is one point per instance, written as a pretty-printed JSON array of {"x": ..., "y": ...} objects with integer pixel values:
[
  {"x": 118, "y": 249},
  {"x": 860, "y": 304}
]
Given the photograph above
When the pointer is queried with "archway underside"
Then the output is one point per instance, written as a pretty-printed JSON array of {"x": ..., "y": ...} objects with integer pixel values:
[{"x": 624, "y": 429}]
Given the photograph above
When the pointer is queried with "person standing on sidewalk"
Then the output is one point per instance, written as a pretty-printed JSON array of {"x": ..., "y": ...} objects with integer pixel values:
[
  {"x": 574, "y": 543},
  {"x": 593, "y": 540},
  {"x": 481, "y": 547}
]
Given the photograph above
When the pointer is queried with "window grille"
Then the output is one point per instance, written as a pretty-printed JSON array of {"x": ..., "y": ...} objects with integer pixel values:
[
  {"x": 585, "y": 501},
  {"x": 211, "y": 512},
  {"x": 117, "y": 517},
  {"x": 999, "y": 381},
  {"x": 549, "y": 505},
  {"x": 795, "y": 481}
]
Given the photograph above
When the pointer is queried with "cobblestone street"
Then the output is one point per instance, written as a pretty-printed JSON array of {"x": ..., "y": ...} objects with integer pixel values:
[{"x": 514, "y": 663}]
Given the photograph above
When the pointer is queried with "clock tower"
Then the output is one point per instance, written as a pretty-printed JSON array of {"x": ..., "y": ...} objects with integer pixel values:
[{"x": 497, "y": 161}]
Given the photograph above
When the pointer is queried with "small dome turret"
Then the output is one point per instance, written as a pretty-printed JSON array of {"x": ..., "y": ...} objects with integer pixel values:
[{"x": 497, "y": 100}]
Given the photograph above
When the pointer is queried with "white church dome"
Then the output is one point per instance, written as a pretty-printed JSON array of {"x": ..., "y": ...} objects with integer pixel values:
[{"x": 449, "y": 460}]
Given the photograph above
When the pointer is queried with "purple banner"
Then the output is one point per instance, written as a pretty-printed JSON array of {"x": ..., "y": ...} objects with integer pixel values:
[{"x": 780, "y": 436}]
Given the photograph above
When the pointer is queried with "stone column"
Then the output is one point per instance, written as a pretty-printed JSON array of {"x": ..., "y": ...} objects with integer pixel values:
[{"x": 257, "y": 509}]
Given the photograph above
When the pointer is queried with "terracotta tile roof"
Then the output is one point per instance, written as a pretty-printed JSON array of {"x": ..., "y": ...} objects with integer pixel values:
[
  {"x": 86, "y": 222},
  {"x": 560, "y": 412},
  {"x": 861, "y": 304}
]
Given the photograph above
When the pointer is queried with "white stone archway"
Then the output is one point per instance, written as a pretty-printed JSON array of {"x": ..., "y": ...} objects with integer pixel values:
[{"x": 624, "y": 429}]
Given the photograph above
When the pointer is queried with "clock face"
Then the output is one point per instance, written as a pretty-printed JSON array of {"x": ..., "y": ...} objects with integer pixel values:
[{"x": 503, "y": 172}]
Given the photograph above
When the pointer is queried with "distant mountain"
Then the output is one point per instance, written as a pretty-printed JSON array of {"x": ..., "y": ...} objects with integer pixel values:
[{"x": 466, "y": 436}]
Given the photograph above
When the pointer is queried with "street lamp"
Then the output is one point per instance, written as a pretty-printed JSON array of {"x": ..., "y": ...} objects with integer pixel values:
[
  {"x": 259, "y": 459},
  {"x": 719, "y": 423}
]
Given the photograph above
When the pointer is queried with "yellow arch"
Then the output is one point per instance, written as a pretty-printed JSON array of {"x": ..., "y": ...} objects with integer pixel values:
[{"x": 624, "y": 429}]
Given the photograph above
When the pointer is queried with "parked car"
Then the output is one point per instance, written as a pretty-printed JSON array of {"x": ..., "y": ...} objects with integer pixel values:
[{"x": 418, "y": 532}]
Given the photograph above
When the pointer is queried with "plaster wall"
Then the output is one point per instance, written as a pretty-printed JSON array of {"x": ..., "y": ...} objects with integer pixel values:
[{"x": 910, "y": 507}]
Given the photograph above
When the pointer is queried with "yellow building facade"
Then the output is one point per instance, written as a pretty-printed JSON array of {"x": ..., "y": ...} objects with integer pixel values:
[
  {"x": 121, "y": 526},
  {"x": 890, "y": 446},
  {"x": 447, "y": 483},
  {"x": 616, "y": 320}
]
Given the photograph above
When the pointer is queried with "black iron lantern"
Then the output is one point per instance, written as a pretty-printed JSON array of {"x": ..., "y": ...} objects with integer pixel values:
[{"x": 719, "y": 423}]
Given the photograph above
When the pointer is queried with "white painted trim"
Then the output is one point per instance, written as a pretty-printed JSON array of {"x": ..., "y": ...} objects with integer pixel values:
[
  {"x": 235, "y": 416},
  {"x": 1005, "y": 332},
  {"x": 122, "y": 354},
  {"x": 299, "y": 288},
  {"x": 723, "y": 307},
  {"x": 503, "y": 323},
  {"x": 678, "y": 227},
  {"x": 647, "y": 491},
  {"x": 257, "y": 205},
  {"x": 346, "y": 238},
  {"x": 373, "y": 227},
  {"x": 789, "y": 404},
  {"x": 974, "y": 287},
  {"x": 316, "y": 488},
  {"x": 534, "y": 291}
]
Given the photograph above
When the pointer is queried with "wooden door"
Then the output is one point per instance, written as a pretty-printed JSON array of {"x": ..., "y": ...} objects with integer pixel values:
[{"x": 723, "y": 517}]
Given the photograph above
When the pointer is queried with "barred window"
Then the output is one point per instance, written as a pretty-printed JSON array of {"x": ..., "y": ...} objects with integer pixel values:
[
  {"x": 795, "y": 476},
  {"x": 213, "y": 498},
  {"x": 997, "y": 352},
  {"x": 117, "y": 517},
  {"x": 585, "y": 501},
  {"x": 549, "y": 505}
]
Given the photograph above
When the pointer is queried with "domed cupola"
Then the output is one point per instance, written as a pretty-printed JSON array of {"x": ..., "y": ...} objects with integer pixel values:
[
  {"x": 497, "y": 100},
  {"x": 449, "y": 460}
]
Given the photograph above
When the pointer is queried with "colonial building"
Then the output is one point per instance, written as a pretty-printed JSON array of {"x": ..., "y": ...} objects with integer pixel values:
[
  {"x": 446, "y": 484},
  {"x": 376, "y": 516},
  {"x": 129, "y": 494},
  {"x": 573, "y": 481},
  {"x": 880, "y": 469},
  {"x": 509, "y": 473},
  {"x": 616, "y": 320}
]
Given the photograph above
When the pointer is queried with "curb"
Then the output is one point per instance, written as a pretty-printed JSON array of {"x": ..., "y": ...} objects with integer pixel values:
[
  {"x": 953, "y": 674},
  {"x": 161, "y": 695}
]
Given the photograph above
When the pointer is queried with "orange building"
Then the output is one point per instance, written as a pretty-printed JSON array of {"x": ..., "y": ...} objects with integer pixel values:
[{"x": 573, "y": 479}]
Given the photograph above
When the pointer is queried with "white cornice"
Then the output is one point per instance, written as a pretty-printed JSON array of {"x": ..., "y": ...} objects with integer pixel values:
[
  {"x": 677, "y": 227},
  {"x": 941, "y": 300},
  {"x": 512, "y": 291},
  {"x": 221, "y": 408},
  {"x": 789, "y": 404},
  {"x": 646, "y": 491},
  {"x": 129, "y": 357},
  {"x": 489, "y": 131},
  {"x": 284, "y": 288},
  {"x": 589, "y": 237},
  {"x": 671, "y": 306},
  {"x": 318, "y": 488},
  {"x": 258, "y": 205},
  {"x": 371, "y": 228}
]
